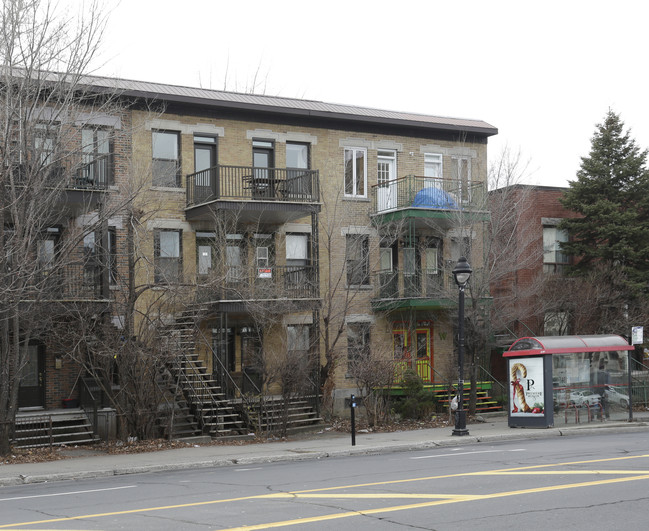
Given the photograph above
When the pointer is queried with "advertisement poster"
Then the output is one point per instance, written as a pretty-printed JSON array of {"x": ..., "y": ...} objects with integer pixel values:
[{"x": 526, "y": 396}]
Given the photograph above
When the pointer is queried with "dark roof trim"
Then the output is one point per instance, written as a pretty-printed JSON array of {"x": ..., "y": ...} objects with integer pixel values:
[{"x": 286, "y": 106}]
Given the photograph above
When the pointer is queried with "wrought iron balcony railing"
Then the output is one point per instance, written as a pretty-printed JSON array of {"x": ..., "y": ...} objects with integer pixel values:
[
  {"x": 94, "y": 175},
  {"x": 249, "y": 183},
  {"x": 432, "y": 193},
  {"x": 397, "y": 284},
  {"x": 261, "y": 283},
  {"x": 78, "y": 281}
]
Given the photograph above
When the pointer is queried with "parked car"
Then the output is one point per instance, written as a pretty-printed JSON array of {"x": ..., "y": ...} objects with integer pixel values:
[
  {"x": 570, "y": 397},
  {"x": 584, "y": 398},
  {"x": 615, "y": 397}
]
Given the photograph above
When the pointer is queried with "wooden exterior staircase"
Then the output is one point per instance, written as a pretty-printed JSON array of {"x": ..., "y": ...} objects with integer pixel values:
[
  {"x": 40, "y": 429},
  {"x": 484, "y": 401},
  {"x": 273, "y": 414}
]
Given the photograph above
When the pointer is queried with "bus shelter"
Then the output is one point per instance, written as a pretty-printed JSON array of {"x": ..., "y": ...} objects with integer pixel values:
[{"x": 573, "y": 378}]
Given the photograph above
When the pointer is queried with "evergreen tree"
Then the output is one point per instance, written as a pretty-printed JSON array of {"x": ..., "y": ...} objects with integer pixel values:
[{"x": 612, "y": 194}]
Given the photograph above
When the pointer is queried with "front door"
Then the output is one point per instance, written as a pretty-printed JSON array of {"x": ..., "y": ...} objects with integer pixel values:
[
  {"x": 32, "y": 381},
  {"x": 205, "y": 166},
  {"x": 387, "y": 181},
  {"x": 225, "y": 351},
  {"x": 424, "y": 359},
  {"x": 263, "y": 160}
]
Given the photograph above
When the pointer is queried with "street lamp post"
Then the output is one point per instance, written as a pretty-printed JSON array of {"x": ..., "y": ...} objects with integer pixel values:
[{"x": 461, "y": 273}]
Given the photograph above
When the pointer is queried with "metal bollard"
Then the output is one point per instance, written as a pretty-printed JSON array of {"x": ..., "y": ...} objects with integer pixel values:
[{"x": 352, "y": 405}]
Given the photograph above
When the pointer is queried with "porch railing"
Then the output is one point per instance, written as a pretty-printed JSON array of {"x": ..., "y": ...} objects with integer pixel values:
[
  {"x": 96, "y": 174},
  {"x": 274, "y": 282},
  {"x": 74, "y": 281},
  {"x": 397, "y": 284},
  {"x": 434, "y": 193},
  {"x": 250, "y": 183}
]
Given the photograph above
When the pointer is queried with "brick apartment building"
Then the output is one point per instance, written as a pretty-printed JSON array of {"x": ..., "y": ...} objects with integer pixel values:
[
  {"x": 269, "y": 229},
  {"x": 538, "y": 255}
]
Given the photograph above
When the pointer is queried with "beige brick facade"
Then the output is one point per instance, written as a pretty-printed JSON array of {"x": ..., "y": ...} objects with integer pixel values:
[{"x": 339, "y": 216}]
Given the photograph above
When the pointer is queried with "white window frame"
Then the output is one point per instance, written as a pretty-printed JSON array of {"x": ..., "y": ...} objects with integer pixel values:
[
  {"x": 431, "y": 161},
  {"x": 462, "y": 160},
  {"x": 354, "y": 151}
]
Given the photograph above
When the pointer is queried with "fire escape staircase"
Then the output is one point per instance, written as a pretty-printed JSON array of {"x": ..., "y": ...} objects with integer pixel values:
[{"x": 215, "y": 414}]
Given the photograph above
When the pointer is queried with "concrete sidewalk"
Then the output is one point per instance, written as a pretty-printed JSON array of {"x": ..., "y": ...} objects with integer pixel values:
[{"x": 314, "y": 446}]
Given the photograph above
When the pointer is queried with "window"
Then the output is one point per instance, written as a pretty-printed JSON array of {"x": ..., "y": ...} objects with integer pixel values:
[
  {"x": 234, "y": 258},
  {"x": 91, "y": 260},
  {"x": 460, "y": 247},
  {"x": 554, "y": 261},
  {"x": 388, "y": 279},
  {"x": 297, "y": 155},
  {"x": 297, "y": 249},
  {"x": 357, "y": 259},
  {"x": 297, "y": 258},
  {"x": 111, "y": 255},
  {"x": 433, "y": 278},
  {"x": 166, "y": 158},
  {"x": 45, "y": 137},
  {"x": 94, "y": 261},
  {"x": 168, "y": 257},
  {"x": 45, "y": 252},
  {"x": 96, "y": 155},
  {"x": 433, "y": 165},
  {"x": 411, "y": 272},
  {"x": 205, "y": 251},
  {"x": 461, "y": 172},
  {"x": 298, "y": 339},
  {"x": 264, "y": 255},
  {"x": 298, "y": 183},
  {"x": 355, "y": 172},
  {"x": 358, "y": 342}
]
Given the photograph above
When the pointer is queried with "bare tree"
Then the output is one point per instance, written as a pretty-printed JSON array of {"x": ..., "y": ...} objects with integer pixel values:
[
  {"x": 502, "y": 217},
  {"x": 43, "y": 107},
  {"x": 346, "y": 267},
  {"x": 374, "y": 373}
]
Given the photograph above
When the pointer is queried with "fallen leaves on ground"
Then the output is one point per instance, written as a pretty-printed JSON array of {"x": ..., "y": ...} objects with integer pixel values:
[{"x": 40, "y": 455}]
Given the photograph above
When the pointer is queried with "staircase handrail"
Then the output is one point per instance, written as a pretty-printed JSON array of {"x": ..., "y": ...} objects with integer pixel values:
[
  {"x": 245, "y": 398},
  {"x": 202, "y": 384},
  {"x": 646, "y": 367},
  {"x": 87, "y": 397},
  {"x": 493, "y": 379}
]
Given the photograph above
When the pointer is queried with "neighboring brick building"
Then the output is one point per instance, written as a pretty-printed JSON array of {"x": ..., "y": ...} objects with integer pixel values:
[
  {"x": 538, "y": 254},
  {"x": 276, "y": 218}
]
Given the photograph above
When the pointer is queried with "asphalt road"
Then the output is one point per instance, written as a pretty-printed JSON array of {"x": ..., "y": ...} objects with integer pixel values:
[{"x": 591, "y": 482}]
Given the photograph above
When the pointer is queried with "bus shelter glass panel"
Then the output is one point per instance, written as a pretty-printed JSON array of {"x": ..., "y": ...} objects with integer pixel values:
[{"x": 590, "y": 386}]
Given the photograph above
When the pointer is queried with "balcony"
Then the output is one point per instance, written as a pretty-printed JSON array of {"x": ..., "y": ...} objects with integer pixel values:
[
  {"x": 96, "y": 174},
  {"x": 426, "y": 198},
  {"x": 427, "y": 289},
  {"x": 79, "y": 186},
  {"x": 73, "y": 282},
  {"x": 272, "y": 195},
  {"x": 239, "y": 284}
]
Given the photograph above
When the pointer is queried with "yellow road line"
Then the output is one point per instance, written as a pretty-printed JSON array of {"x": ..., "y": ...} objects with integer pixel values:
[
  {"x": 561, "y": 472},
  {"x": 366, "y": 496},
  {"x": 348, "y": 514},
  {"x": 341, "y": 487}
]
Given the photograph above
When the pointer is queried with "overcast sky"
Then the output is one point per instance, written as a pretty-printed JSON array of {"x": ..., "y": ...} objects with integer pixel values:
[{"x": 543, "y": 73}]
